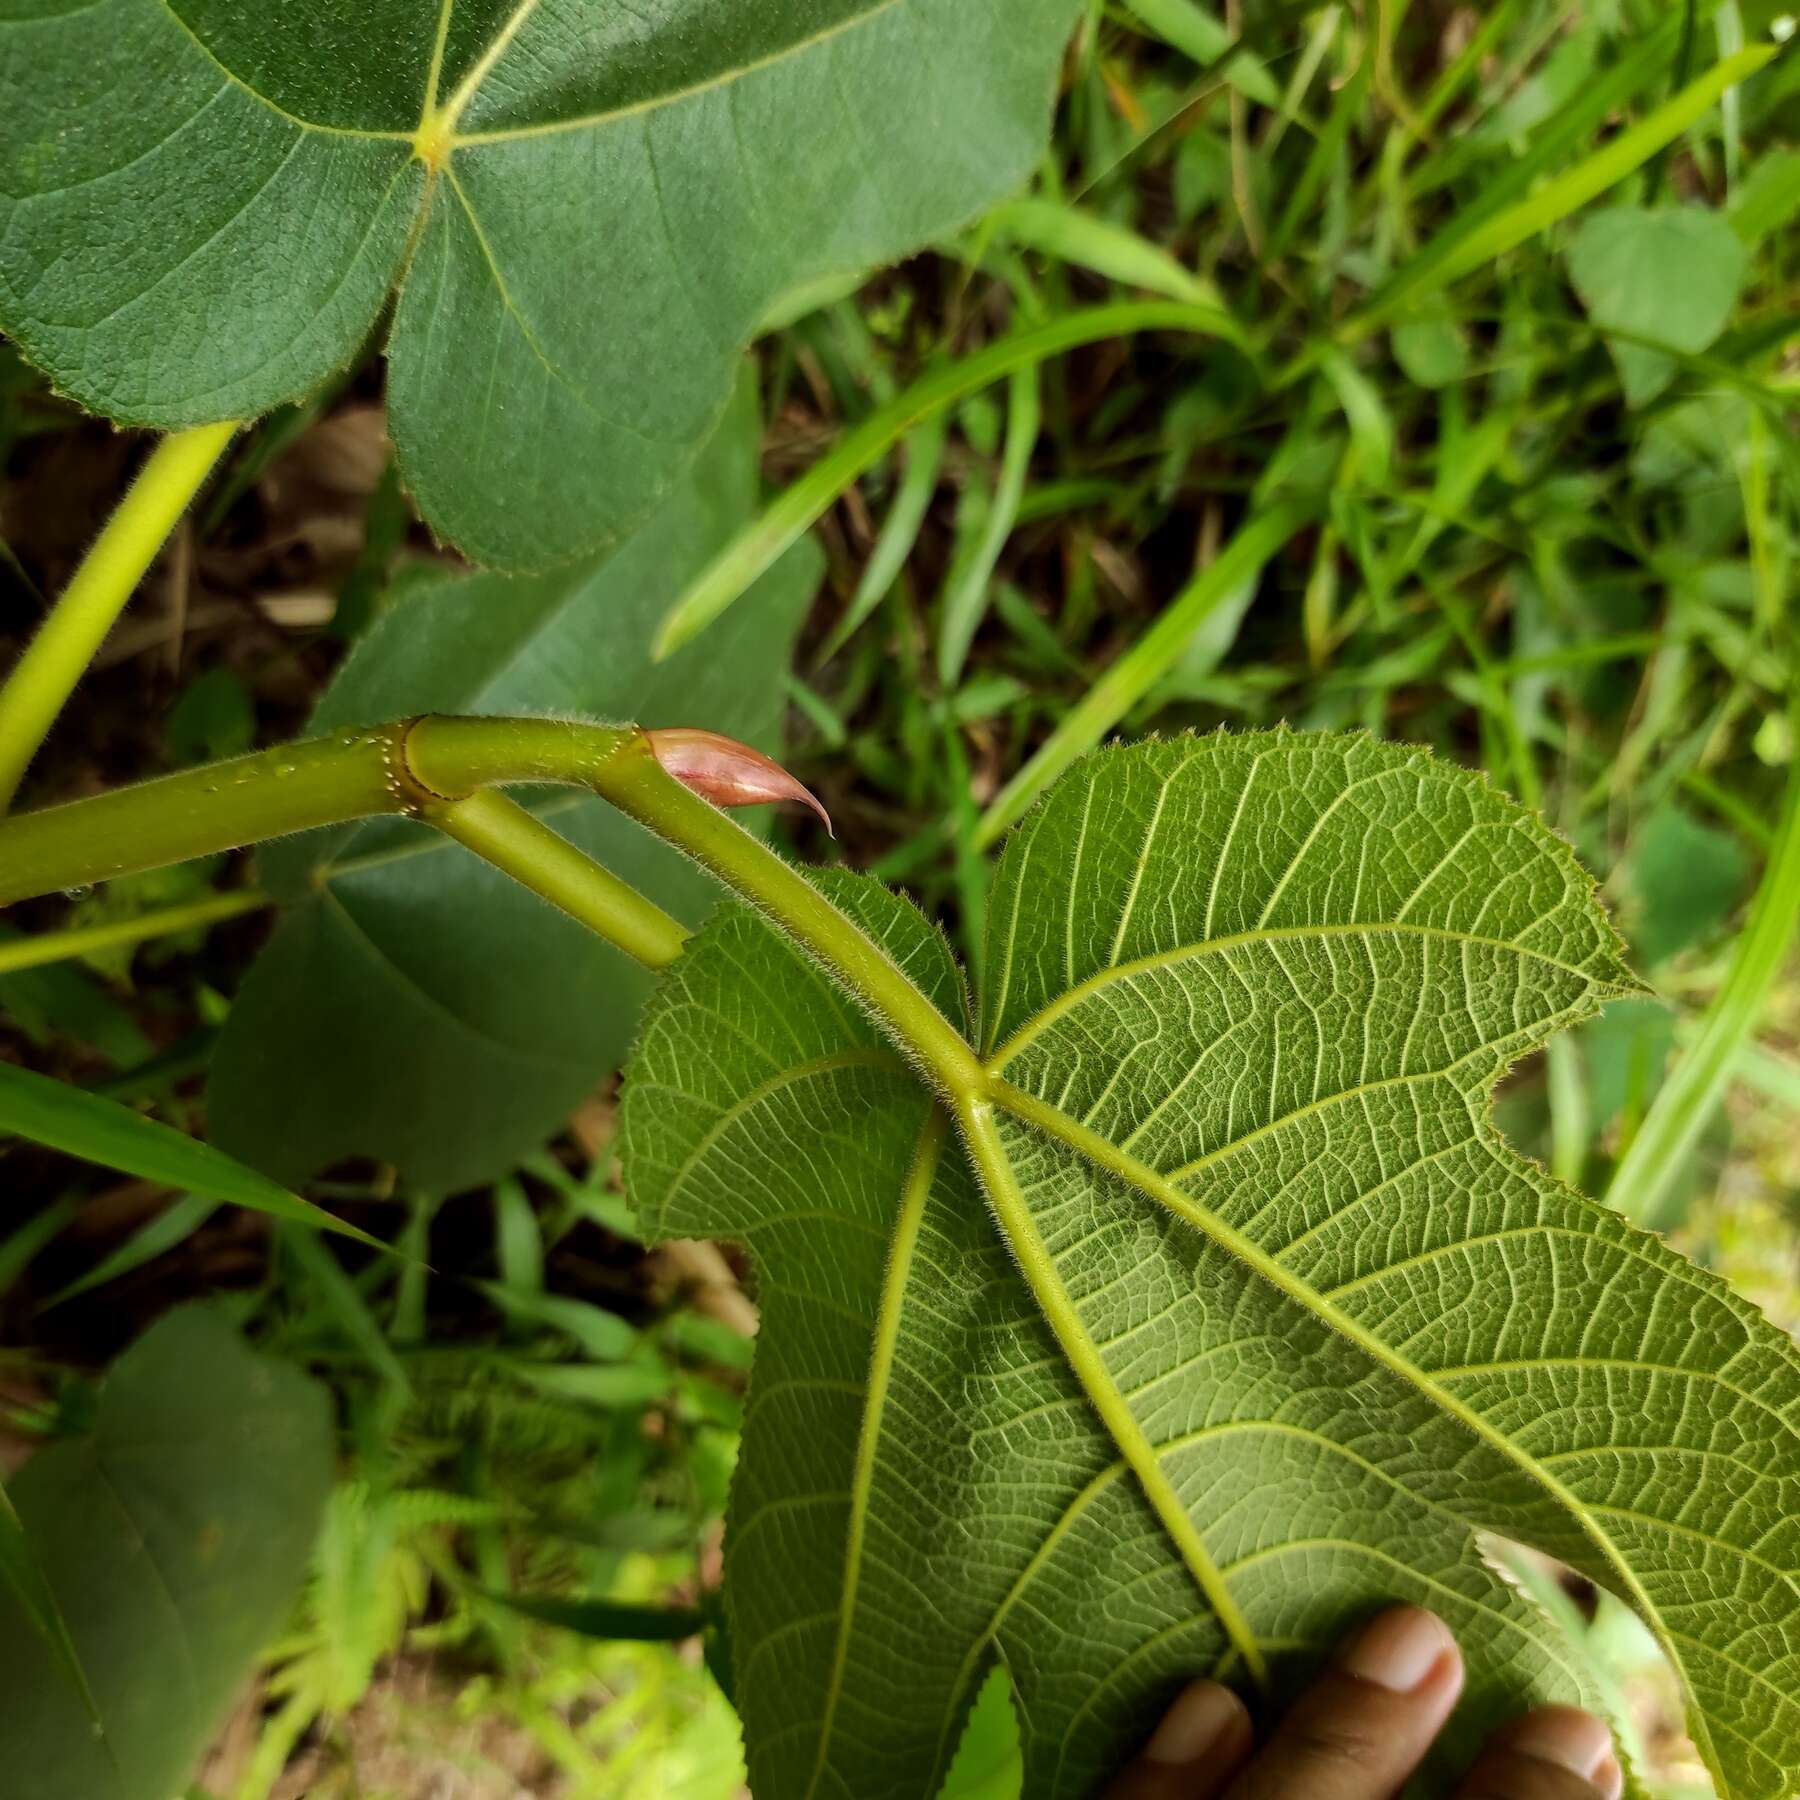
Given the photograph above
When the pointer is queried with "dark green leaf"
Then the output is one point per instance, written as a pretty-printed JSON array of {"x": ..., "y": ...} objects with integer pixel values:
[
  {"x": 214, "y": 718},
  {"x": 173, "y": 1538},
  {"x": 580, "y": 210},
  {"x": 21, "y": 1574}
]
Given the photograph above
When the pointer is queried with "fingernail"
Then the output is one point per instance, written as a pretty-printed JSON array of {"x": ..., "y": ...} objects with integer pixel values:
[
  {"x": 1193, "y": 1728},
  {"x": 1572, "y": 1740},
  {"x": 1399, "y": 1649}
]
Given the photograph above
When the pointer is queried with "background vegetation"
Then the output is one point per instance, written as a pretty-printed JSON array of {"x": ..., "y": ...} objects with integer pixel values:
[{"x": 1547, "y": 525}]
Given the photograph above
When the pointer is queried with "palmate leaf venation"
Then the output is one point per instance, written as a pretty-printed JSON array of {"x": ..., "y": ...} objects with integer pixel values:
[
  {"x": 1249, "y": 1321},
  {"x": 579, "y": 211}
]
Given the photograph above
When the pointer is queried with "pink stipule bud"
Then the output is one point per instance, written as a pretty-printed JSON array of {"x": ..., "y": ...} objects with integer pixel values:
[{"x": 727, "y": 773}]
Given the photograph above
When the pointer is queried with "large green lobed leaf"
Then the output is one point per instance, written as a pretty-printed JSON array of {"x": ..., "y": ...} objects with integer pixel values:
[
  {"x": 416, "y": 1004},
  {"x": 580, "y": 208},
  {"x": 1220, "y": 1314}
]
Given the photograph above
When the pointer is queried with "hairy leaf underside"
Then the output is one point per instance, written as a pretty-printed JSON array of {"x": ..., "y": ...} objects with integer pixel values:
[
  {"x": 1220, "y": 1314},
  {"x": 581, "y": 209}
]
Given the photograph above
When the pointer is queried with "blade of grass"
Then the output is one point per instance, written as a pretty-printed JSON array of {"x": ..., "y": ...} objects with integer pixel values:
[
  {"x": 23, "y": 1243},
  {"x": 1636, "y": 74},
  {"x": 1728, "y": 29},
  {"x": 1769, "y": 200},
  {"x": 974, "y": 508},
  {"x": 1371, "y": 425},
  {"x": 1773, "y": 1076},
  {"x": 794, "y": 510},
  {"x": 899, "y": 531},
  {"x": 607, "y": 1620},
  {"x": 1146, "y": 662},
  {"x": 603, "y": 1336},
  {"x": 57, "y": 657},
  {"x": 971, "y": 866},
  {"x": 1452, "y": 80},
  {"x": 1729, "y": 806},
  {"x": 1035, "y": 636},
  {"x": 58, "y": 946},
  {"x": 338, "y": 1296},
  {"x": 518, "y": 1241},
  {"x": 1318, "y": 45},
  {"x": 1198, "y": 34},
  {"x": 175, "y": 1224},
  {"x": 1326, "y": 154},
  {"x": 1570, "y": 1123},
  {"x": 1459, "y": 251},
  {"x": 820, "y": 713},
  {"x": 966, "y": 597},
  {"x": 82, "y": 1124},
  {"x": 1065, "y": 232},
  {"x": 1685, "y": 1102},
  {"x": 407, "y": 1322}
]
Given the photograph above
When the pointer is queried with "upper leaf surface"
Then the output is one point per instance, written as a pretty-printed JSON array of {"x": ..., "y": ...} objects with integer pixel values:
[
  {"x": 1274, "y": 1325},
  {"x": 585, "y": 209}
]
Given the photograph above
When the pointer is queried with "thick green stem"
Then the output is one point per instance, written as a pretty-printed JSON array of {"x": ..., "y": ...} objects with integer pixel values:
[
  {"x": 431, "y": 768},
  {"x": 451, "y": 757},
  {"x": 502, "y": 832},
  {"x": 91, "y": 604},
  {"x": 356, "y": 774},
  {"x": 634, "y": 782},
  {"x": 200, "y": 812}
]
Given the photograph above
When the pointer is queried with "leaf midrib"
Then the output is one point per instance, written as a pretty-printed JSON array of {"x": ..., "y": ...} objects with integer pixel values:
[
  {"x": 920, "y": 1175},
  {"x": 974, "y": 1099},
  {"x": 974, "y": 1117},
  {"x": 1120, "y": 1164}
]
